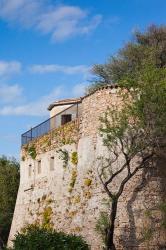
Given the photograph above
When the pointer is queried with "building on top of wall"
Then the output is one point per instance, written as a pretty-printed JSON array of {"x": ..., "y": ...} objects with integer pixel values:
[
  {"x": 58, "y": 169},
  {"x": 65, "y": 105},
  {"x": 61, "y": 112}
]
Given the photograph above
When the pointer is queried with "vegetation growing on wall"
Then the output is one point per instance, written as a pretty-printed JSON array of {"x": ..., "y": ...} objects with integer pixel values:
[
  {"x": 74, "y": 158},
  {"x": 63, "y": 135},
  {"x": 148, "y": 232},
  {"x": 162, "y": 208},
  {"x": 102, "y": 225},
  {"x": 32, "y": 152},
  {"x": 47, "y": 217},
  {"x": 73, "y": 179},
  {"x": 64, "y": 156},
  {"x": 87, "y": 182}
]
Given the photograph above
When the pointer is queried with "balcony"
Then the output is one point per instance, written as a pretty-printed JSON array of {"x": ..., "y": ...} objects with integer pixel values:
[{"x": 70, "y": 114}]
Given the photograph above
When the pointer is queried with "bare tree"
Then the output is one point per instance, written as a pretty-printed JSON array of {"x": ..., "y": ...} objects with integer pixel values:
[{"x": 128, "y": 153}]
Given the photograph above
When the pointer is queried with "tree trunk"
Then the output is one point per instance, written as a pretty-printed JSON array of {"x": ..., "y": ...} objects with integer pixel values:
[
  {"x": 110, "y": 232},
  {"x": 1, "y": 244}
]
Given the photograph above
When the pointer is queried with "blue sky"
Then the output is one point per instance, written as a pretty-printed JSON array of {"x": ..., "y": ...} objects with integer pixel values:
[{"x": 47, "y": 48}]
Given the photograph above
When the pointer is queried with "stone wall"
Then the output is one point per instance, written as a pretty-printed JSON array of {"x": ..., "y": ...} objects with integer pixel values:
[
  {"x": 74, "y": 195},
  {"x": 94, "y": 106},
  {"x": 74, "y": 206}
]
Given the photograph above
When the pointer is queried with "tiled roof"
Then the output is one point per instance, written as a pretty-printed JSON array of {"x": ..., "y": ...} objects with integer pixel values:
[{"x": 64, "y": 102}]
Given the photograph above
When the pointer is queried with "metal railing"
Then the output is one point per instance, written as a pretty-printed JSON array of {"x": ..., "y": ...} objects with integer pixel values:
[{"x": 44, "y": 127}]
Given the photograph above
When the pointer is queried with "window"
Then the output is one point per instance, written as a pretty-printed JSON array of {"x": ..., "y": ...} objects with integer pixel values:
[
  {"x": 39, "y": 167},
  {"x": 52, "y": 163},
  {"x": 30, "y": 170},
  {"x": 65, "y": 119}
]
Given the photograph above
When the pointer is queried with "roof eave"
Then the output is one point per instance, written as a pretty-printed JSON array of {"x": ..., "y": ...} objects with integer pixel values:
[{"x": 51, "y": 106}]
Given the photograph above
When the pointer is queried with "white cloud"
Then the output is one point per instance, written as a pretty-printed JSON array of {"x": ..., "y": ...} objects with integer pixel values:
[
  {"x": 52, "y": 19},
  {"x": 35, "y": 108},
  {"x": 79, "y": 89},
  {"x": 20, "y": 11},
  {"x": 55, "y": 68},
  {"x": 39, "y": 107},
  {"x": 7, "y": 68},
  {"x": 9, "y": 93},
  {"x": 61, "y": 21},
  {"x": 96, "y": 20}
]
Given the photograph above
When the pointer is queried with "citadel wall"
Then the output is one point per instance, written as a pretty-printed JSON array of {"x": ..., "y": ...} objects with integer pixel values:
[{"x": 69, "y": 190}]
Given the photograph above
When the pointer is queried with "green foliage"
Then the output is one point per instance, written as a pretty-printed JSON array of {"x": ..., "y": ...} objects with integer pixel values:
[
  {"x": 135, "y": 128},
  {"x": 87, "y": 182},
  {"x": 9, "y": 182},
  {"x": 74, "y": 158},
  {"x": 146, "y": 48},
  {"x": 46, "y": 220},
  {"x": 147, "y": 234},
  {"x": 32, "y": 152},
  {"x": 64, "y": 156},
  {"x": 23, "y": 158},
  {"x": 102, "y": 225},
  {"x": 142, "y": 118},
  {"x": 148, "y": 213},
  {"x": 35, "y": 237},
  {"x": 162, "y": 208},
  {"x": 66, "y": 141},
  {"x": 73, "y": 180},
  {"x": 139, "y": 68}
]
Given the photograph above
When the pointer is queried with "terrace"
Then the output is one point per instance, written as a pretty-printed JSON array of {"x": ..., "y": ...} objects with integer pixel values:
[{"x": 70, "y": 110}]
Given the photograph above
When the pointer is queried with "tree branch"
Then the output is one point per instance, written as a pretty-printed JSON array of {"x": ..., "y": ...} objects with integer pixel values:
[{"x": 129, "y": 176}]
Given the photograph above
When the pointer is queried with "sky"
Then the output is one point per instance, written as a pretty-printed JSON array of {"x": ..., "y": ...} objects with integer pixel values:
[{"x": 47, "y": 50}]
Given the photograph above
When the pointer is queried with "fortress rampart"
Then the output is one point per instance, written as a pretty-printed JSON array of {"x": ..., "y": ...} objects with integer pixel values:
[{"x": 58, "y": 176}]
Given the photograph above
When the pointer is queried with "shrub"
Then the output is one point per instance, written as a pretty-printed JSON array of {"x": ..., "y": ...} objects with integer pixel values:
[
  {"x": 36, "y": 238},
  {"x": 64, "y": 156}
]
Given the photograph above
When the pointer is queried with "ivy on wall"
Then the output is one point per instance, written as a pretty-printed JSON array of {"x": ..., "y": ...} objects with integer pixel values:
[{"x": 66, "y": 134}]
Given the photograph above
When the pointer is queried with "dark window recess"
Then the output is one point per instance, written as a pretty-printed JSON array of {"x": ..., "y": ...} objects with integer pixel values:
[{"x": 65, "y": 119}]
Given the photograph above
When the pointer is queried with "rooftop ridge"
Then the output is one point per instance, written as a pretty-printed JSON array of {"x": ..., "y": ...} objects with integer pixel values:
[
  {"x": 69, "y": 101},
  {"x": 64, "y": 102},
  {"x": 111, "y": 86}
]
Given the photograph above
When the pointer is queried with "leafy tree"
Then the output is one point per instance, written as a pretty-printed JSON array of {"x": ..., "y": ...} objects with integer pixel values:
[
  {"x": 34, "y": 237},
  {"x": 134, "y": 133},
  {"x": 149, "y": 45},
  {"x": 9, "y": 182}
]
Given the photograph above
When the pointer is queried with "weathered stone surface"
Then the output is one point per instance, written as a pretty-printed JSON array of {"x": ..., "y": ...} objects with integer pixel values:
[{"x": 76, "y": 208}]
